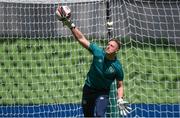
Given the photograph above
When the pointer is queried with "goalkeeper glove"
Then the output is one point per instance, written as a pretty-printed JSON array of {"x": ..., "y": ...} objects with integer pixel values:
[
  {"x": 123, "y": 107},
  {"x": 63, "y": 13}
]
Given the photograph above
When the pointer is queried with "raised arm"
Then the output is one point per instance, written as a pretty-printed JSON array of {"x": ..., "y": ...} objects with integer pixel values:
[
  {"x": 80, "y": 37},
  {"x": 63, "y": 14}
]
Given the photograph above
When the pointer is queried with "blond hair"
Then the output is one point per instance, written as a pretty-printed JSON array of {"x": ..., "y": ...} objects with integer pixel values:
[{"x": 117, "y": 41}]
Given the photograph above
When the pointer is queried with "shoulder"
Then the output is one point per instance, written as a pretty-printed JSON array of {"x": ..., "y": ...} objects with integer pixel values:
[
  {"x": 117, "y": 64},
  {"x": 94, "y": 48}
]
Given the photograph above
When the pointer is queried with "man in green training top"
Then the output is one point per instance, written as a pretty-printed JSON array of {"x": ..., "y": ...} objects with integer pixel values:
[{"x": 105, "y": 68}]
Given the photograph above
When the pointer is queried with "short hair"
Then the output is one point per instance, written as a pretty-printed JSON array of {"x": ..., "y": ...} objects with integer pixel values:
[{"x": 117, "y": 41}]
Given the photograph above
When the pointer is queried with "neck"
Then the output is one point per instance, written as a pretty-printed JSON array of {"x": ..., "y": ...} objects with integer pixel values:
[{"x": 110, "y": 57}]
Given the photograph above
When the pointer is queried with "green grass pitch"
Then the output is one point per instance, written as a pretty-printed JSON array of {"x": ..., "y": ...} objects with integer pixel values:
[{"x": 44, "y": 71}]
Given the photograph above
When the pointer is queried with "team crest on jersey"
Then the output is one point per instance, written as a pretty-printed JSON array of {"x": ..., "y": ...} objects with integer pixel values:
[
  {"x": 100, "y": 60},
  {"x": 111, "y": 69}
]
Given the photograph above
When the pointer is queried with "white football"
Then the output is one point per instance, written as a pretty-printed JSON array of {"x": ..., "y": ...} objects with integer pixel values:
[{"x": 63, "y": 11}]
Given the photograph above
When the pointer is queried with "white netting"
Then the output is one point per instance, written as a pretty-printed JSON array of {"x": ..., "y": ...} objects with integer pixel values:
[{"x": 43, "y": 68}]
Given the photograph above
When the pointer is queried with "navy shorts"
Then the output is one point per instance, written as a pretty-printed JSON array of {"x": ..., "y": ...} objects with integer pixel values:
[{"x": 94, "y": 102}]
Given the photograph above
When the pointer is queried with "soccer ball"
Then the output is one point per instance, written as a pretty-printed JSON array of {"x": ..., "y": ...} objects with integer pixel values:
[{"x": 63, "y": 12}]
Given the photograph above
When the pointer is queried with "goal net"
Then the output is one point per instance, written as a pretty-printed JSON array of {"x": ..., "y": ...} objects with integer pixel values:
[{"x": 43, "y": 68}]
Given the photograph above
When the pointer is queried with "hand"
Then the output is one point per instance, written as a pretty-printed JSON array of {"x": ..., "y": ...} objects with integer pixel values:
[
  {"x": 63, "y": 13},
  {"x": 123, "y": 107}
]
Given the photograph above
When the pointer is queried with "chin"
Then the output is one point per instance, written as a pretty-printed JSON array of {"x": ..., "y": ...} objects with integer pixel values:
[{"x": 109, "y": 53}]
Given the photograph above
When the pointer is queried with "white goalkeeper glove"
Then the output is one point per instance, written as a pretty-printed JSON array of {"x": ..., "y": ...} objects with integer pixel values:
[
  {"x": 63, "y": 13},
  {"x": 123, "y": 107}
]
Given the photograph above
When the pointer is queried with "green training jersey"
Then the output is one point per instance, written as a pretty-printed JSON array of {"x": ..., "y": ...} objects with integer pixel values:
[{"x": 103, "y": 71}]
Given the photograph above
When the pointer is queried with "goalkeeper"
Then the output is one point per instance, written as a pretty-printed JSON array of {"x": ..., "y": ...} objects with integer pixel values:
[{"x": 105, "y": 68}]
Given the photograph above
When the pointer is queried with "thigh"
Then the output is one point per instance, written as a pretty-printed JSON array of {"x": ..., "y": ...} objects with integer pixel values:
[
  {"x": 88, "y": 106},
  {"x": 101, "y": 104},
  {"x": 88, "y": 102}
]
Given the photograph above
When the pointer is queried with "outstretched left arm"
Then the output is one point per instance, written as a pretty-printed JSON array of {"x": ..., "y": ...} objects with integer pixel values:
[{"x": 120, "y": 89}]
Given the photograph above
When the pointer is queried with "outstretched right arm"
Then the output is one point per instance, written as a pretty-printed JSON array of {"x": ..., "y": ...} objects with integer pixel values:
[
  {"x": 80, "y": 37},
  {"x": 63, "y": 13}
]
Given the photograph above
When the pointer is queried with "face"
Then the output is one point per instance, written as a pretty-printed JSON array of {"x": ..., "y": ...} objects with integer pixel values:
[{"x": 112, "y": 47}]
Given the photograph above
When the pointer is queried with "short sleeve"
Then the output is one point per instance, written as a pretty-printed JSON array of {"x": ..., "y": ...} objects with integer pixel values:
[
  {"x": 120, "y": 74},
  {"x": 94, "y": 49},
  {"x": 119, "y": 71}
]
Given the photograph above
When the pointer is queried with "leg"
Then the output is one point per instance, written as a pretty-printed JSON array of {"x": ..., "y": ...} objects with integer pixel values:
[
  {"x": 88, "y": 107},
  {"x": 101, "y": 105},
  {"x": 88, "y": 102}
]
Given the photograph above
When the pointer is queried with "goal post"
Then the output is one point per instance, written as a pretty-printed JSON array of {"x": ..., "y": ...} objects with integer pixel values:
[{"x": 43, "y": 68}]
